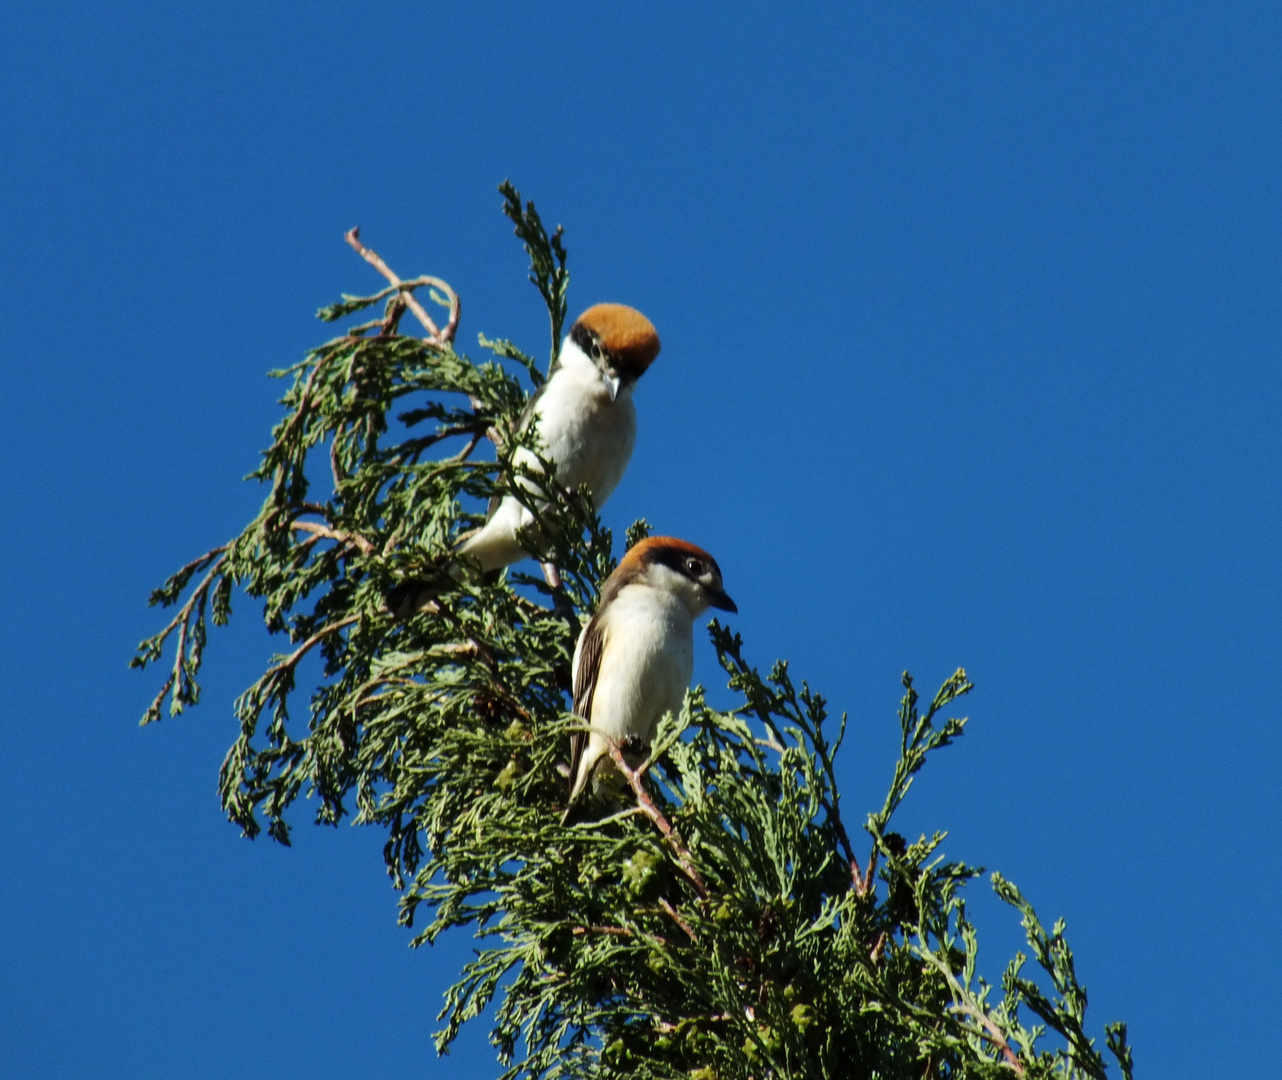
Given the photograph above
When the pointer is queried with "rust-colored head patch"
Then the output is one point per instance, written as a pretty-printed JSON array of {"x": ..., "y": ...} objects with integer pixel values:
[
  {"x": 655, "y": 549},
  {"x": 628, "y": 338},
  {"x": 679, "y": 555}
]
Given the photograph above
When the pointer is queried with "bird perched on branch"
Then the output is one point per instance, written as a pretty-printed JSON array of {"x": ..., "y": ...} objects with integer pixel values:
[
  {"x": 586, "y": 424},
  {"x": 584, "y": 417},
  {"x": 634, "y": 660}
]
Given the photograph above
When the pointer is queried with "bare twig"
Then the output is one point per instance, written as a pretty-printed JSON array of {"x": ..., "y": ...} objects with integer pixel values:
[
  {"x": 994, "y": 1033},
  {"x": 412, "y": 448},
  {"x": 647, "y": 806},
  {"x": 612, "y": 931},
  {"x": 395, "y": 309},
  {"x": 456, "y": 311},
  {"x": 434, "y": 334},
  {"x": 676, "y": 918},
  {"x": 862, "y": 879},
  {"x": 875, "y": 954},
  {"x": 354, "y": 539},
  {"x": 472, "y": 444},
  {"x": 293, "y": 658}
]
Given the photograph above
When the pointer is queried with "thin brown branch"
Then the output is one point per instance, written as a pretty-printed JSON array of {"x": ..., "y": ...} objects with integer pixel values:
[
  {"x": 456, "y": 312},
  {"x": 195, "y": 564},
  {"x": 612, "y": 931},
  {"x": 391, "y": 320},
  {"x": 412, "y": 448},
  {"x": 675, "y": 916},
  {"x": 372, "y": 257},
  {"x": 878, "y": 946},
  {"x": 472, "y": 444},
  {"x": 994, "y": 1033},
  {"x": 293, "y": 658},
  {"x": 647, "y": 806},
  {"x": 158, "y": 702},
  {"x": 317, "y": 529},
  {"x": 363, "y": 328},
  {"x": 184, "y": 612},
  {"x": 434, "y": 334},
  {"x": 862, "y": 880}
]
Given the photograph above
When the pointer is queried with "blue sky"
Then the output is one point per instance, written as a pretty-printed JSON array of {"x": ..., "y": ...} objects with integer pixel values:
[{"x": 971, "y": 357}]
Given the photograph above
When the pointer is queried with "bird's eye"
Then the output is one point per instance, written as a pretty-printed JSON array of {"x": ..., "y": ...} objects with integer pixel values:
[{"x": 693, "y": 567}]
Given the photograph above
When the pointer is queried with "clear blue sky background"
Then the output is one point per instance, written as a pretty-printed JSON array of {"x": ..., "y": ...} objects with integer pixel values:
[{"x": 971, "y": 356}]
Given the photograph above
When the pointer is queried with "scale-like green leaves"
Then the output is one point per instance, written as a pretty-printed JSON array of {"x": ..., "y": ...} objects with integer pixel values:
[{"x": 721, "y": 923}]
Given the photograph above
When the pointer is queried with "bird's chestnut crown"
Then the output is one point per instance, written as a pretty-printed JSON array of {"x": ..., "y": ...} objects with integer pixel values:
[
  {"x": 618, "y": 337},
  {"x": 682, "y": 558}
]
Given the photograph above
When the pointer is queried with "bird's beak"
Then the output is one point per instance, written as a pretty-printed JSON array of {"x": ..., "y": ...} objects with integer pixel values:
[
  {"x": 612, "y": 381},
  {"x": 718, "y": 599}
]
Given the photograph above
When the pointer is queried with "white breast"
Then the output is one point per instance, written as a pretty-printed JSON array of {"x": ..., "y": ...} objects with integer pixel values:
[
  {"x": 588, "y": 435},
  {"x": 646, "y": 664}
]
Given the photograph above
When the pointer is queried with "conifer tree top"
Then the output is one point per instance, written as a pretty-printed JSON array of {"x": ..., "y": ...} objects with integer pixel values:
[{"x": 731, "y": 921}]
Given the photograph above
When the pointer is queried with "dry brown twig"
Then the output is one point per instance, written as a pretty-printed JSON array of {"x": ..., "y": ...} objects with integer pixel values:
[
  {"x": 317, "y": 529},
  {"x": 995, "y": 1034},
  {"x": 293, "y": 658},
  {"x": 435, "y": 335},
  {"x": 875, "y": 953},
  {"x": 646, "y": 804},
  {"x": 676, "y": 918},
  {"x": 862, "y": 880}
]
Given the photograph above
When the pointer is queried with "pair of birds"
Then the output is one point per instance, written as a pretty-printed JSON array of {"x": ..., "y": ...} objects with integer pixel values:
[{"x": 635, "y": 658}]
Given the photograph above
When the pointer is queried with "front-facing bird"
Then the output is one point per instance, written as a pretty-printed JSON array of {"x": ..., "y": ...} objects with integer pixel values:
[
  {"x": 634, "y": 660},
  {"x": 585, "y": 421}
]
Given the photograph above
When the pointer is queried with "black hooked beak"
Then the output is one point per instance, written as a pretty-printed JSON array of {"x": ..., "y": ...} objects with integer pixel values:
[{"x": 717, "y": 598}]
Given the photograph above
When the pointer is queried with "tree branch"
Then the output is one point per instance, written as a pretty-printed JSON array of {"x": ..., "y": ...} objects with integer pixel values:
[
  {"x": 435, "y": 335},
  {"x": 316, "y": 528},
  {"x": 293, "y": 658},
  {"x": 685, "y": 861},
  {"x": 676, "y": 918},
  {"x": 994, "y": 1033}
]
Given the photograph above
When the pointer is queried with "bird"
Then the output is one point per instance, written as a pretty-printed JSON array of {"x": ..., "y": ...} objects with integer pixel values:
[
  {"x": 634, "y": 659},
  {"x": 586, "y": 424},
  {"x": 585, "y": 421}
]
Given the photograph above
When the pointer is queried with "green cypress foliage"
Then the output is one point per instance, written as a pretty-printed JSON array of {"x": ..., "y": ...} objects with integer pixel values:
[{"x": 728, "y": 923}]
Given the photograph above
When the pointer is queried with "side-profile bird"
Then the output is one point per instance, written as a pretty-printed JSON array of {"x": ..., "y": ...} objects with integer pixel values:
[
  {"x": 584, "y": 418},
  {"x": 634, "y": 660}
]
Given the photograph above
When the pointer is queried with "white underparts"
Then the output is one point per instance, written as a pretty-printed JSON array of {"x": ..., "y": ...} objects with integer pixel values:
[
  {"x": 585, "y": 433},
  {"x": 646, "y": 665}
]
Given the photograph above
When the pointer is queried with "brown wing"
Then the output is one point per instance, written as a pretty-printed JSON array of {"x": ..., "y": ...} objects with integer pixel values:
[{"x": 585, "y": 675}]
